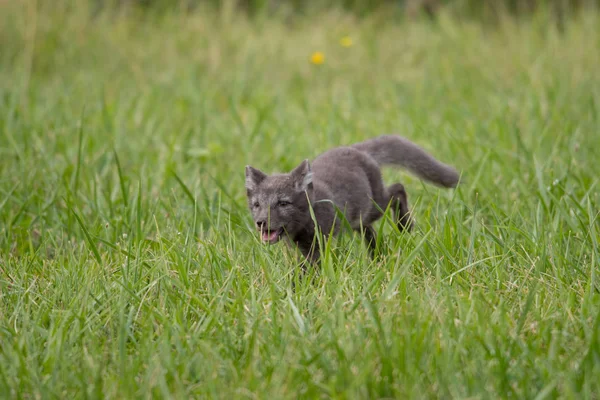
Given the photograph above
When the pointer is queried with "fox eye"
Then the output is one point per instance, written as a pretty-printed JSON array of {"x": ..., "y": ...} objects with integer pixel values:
[
  {"x": 256, "y": 205},
  {"x": 283, "y": 203}
]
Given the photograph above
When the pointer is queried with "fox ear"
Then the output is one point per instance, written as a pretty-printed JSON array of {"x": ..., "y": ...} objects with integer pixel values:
[
  {"x": 303, "y": 176},
  {"x": 253, "y": 177}
]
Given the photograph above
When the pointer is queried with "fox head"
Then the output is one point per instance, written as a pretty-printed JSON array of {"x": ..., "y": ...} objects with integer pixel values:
[{"x": 279, "y": 203}]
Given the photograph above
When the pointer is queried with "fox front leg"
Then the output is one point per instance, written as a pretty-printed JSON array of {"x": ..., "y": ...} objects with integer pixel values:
[
  {"x": 311, "y": 258},
  {"x": 310, "y": 252}
]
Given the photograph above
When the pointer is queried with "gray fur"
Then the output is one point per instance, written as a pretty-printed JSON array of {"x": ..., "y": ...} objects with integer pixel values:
[
  {"x": 348, "y": 178},
  {"x": 396, "y": 150}
]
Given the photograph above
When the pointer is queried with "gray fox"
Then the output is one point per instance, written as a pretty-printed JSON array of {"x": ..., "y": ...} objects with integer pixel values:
[{"x": 344, "y": 178}]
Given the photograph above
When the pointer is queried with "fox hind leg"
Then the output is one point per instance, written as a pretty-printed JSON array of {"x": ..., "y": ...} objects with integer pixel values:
[{"x": 399, "y": 204}]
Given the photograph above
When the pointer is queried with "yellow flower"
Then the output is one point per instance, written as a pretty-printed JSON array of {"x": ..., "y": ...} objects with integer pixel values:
[
  {"x": 346, "y": 41},
  {"x": 317, "y": 58}
]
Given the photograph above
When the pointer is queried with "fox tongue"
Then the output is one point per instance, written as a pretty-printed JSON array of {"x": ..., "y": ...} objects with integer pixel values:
[{"x": 269, "y": 235}]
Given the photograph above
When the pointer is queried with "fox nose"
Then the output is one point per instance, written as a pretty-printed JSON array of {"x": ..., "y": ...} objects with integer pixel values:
[{"x": 260, "y": 224}]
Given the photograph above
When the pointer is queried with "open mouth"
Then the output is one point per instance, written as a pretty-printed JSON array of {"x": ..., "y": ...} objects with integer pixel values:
[{"x": 271, "y": 236}]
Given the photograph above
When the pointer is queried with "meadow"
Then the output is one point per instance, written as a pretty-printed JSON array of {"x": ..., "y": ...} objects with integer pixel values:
[{"x": 129, "y": 264}]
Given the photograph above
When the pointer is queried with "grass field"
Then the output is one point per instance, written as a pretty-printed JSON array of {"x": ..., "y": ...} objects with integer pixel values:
[{"x": 129, "y": 266}]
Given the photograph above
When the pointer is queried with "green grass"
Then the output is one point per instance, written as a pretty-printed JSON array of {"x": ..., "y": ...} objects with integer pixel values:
[{"x": 128, "y": 262}]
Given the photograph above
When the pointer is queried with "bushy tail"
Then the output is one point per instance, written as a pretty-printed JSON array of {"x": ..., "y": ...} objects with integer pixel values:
[{"x": 396, "y": 150}]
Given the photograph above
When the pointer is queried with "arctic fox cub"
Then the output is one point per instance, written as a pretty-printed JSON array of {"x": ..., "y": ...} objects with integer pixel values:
[{"x": 344, "y": 178}]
